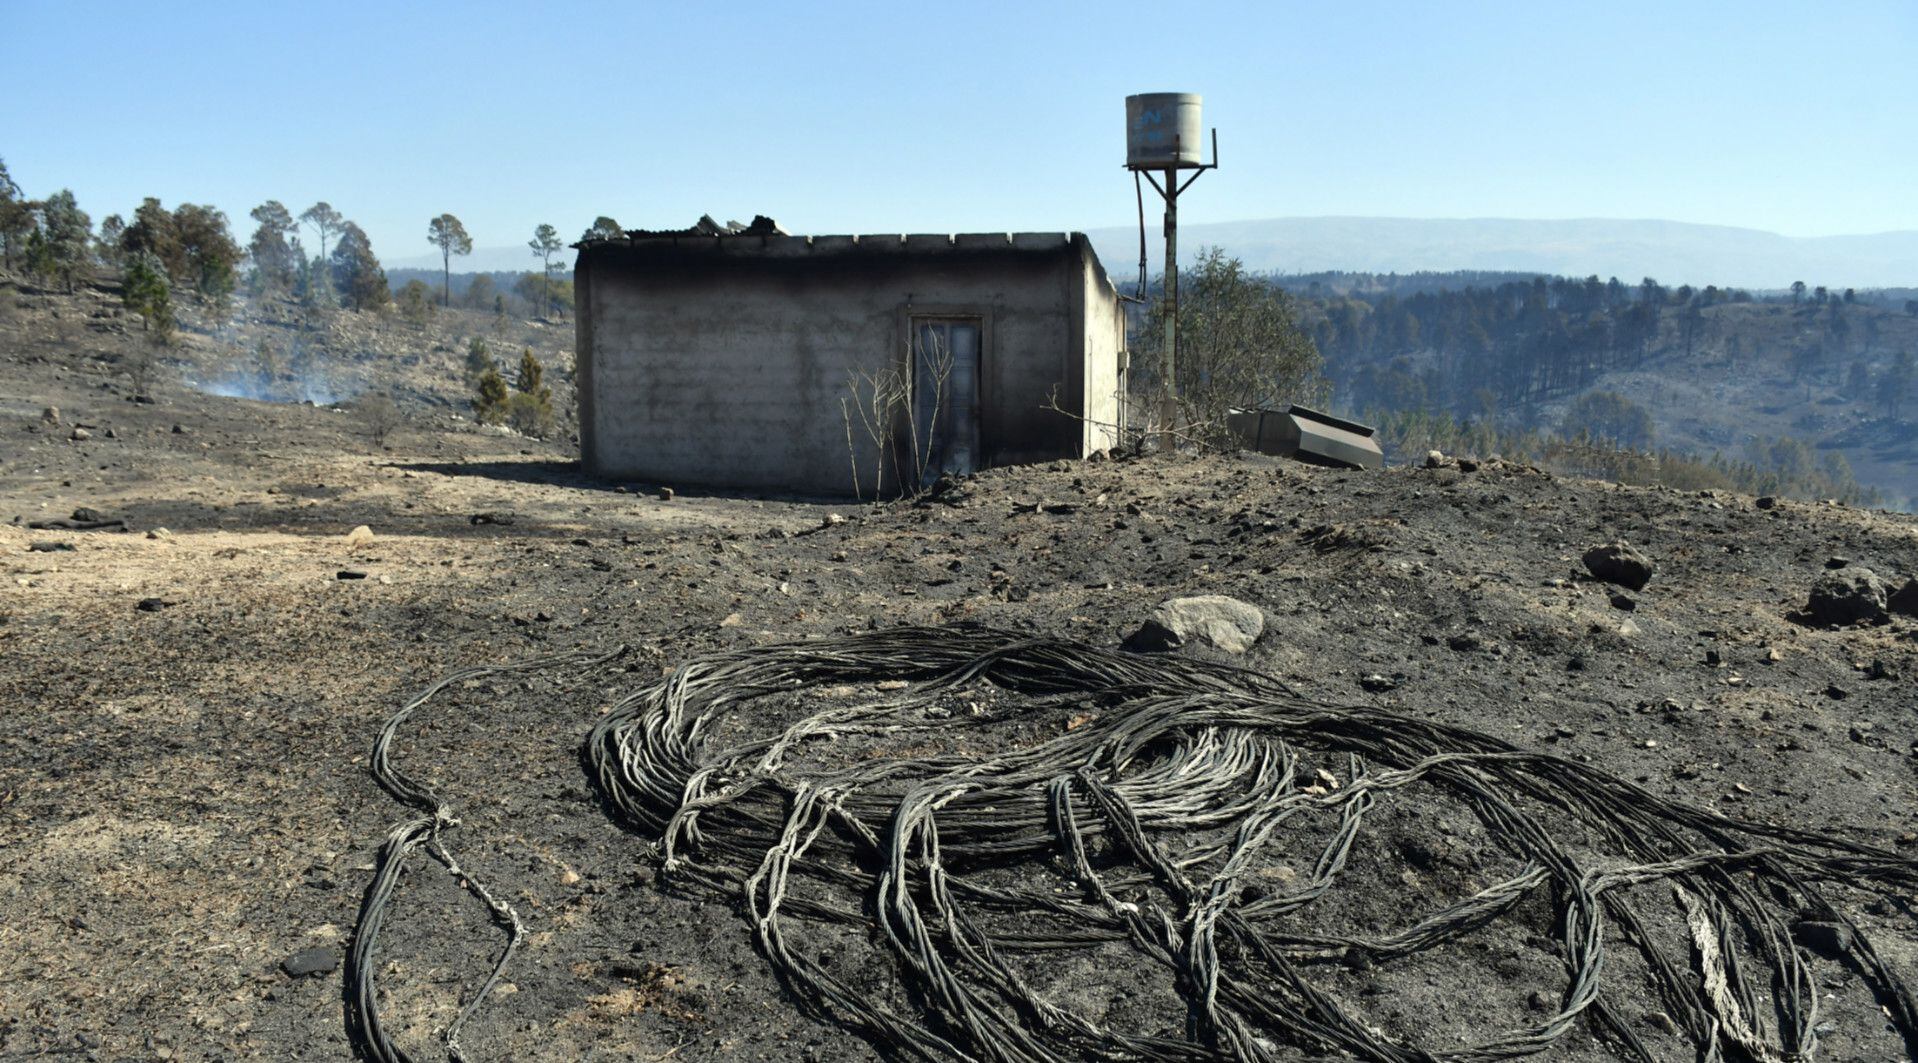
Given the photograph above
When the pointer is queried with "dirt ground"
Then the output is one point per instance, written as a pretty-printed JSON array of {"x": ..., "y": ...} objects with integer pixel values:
[{"x": 185, "y": 803}]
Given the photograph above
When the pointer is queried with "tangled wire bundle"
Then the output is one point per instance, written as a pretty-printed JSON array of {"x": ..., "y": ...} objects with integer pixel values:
[{"x": 1135, "y": 803}]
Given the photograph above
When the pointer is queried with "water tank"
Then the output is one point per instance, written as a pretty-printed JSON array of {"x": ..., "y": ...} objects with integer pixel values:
[{"x": 1162, "y": 131}]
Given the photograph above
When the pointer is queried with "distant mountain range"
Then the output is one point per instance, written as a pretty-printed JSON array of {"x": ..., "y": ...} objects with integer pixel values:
[{"x": 1673, "y": 252}]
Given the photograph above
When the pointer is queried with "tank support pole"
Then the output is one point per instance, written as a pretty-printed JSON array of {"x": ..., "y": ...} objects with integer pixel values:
[
  {"x": 1168, "y": 397},
  {"x": 1169, "y": 359}
]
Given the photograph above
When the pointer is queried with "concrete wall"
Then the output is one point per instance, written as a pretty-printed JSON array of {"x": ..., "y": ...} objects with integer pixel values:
[
  {"x": 724, "y": 361},
  {"x": 1105, "y": 360}
]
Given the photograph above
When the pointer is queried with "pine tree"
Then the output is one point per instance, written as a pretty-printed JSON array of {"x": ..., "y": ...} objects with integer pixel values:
[
  {"x": 446, "y": 233},
  {"x": 153, "y": 231},
  {"x": 531, "y": 408},
  {"x": 357, "y": 275},
  {"x": 530, "y": 373},
  {"x": 491, "y": 404},
  {"x": 147, "y": 292},
  {"x": 545, "y": 244},
  {"x": 16, "y": 220},
  {"x": 478, "y": 361},
  {"x": 68, "y": 235},
  {"x": 274, "y": 266},
  {"x": 603, "y": 228}
]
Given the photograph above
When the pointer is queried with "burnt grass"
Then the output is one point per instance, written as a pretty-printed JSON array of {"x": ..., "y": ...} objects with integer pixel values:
[{"x": 184, "y": 800}]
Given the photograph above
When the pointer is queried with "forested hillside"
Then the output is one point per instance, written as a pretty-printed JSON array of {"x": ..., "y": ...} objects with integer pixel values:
[{"x": 1820, "y": 380}]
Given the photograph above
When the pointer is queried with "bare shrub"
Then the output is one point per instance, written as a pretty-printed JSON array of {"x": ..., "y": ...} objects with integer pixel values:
[{"x": 378, "y": 414}]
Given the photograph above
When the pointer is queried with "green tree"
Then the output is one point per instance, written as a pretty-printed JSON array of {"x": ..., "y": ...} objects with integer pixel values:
[
  {"x": 530, "y": 379},
  {"x": 275, "y": 258},
  {"x": 356, "y": 272},
  {"x": 1608, "y": 416},
  {"x": 147, "y": 292},
  {"x": 1797, "y": 292},
  {"x": 490, "y": 405},
  {"x": 545, "y": 244},
  {"x": 479, "y": 293},
  {"x": 106, "y": 245},
  {"x": 16, "y": 220},
  {"x": 531, "y": 406},
  {"x": 478, "y": 361},
  {"x": 415, "y": 301},
  {"x": 210, "y": 252},
  {"x": 603, "y": 228},
  {"x": 67, "y": 235},
  {"x": 326, "y": 222},
  {"x": 446, "y": 233},
  {"x": 1239, "y": 344},
  {"x": 153, "y": 231}
]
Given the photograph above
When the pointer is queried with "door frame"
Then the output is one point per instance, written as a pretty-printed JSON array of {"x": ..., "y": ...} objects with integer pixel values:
[{"x": 906, "y": 336}]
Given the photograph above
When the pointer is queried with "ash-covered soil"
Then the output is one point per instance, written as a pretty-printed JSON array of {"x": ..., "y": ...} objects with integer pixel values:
[{"x": 185, "y": 804}]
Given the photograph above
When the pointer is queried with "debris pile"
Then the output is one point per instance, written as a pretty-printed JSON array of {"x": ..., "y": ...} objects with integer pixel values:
[{"x": 1189, "y": 824}]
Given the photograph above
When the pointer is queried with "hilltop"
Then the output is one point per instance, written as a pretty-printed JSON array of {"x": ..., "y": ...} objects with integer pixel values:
[
  {"x": 186, "y": 816},
  {"x": 1630, "y": 249}
]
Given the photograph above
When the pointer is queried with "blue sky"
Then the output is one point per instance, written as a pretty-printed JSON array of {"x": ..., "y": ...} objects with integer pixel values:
[{"x": 888, "y": 117}]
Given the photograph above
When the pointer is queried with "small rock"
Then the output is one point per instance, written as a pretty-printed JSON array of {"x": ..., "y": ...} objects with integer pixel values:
[
  {"x": 50, "y": 415},
  {"x": 359, "y": 536},
  {"x": 308, "y": 962},
  {"x": 154, "y": 605},
  {"x": 86, "y": 515},
  {"x": 665, "y": 494},
  {"x": 1209, "y": 619},
  {"x": 1848, "y": 596},
  {"x": 1377, "y": 683},
  {"x": 1467, "y": 465},
  {"x": 569, "y": 877},
  {"x": 179, "y": 430},
  {"x": 1836, "y": 692},
  {"x": 1434, "y": 459},
  {"x": 49, "y": 548},
  {"x": 159, "y": 533},
  {"x": 491, "y": 518},
  {"x": 1463, "y": 642},
  {"x": 1835, "y": 563},
  {"x": 1624, "y": 601},
  {"x": 1766, "y": 502},
  {"x": 1620, "y": 563},
  {"x": 349, "y": 573},
  {"x": 80, "y": 435},
  {"x": 1661, "y": 1022}
]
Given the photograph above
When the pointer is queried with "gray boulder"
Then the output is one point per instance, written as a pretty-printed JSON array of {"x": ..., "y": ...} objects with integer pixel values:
[
  {"x": 1620, "y": 563},
  {"x": 1847, "y": 596},
  {"x": 1208, "y": 620}
]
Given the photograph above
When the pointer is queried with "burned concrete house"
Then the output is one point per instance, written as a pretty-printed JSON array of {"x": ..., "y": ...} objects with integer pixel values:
[{"x": 747, "y": 358}]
